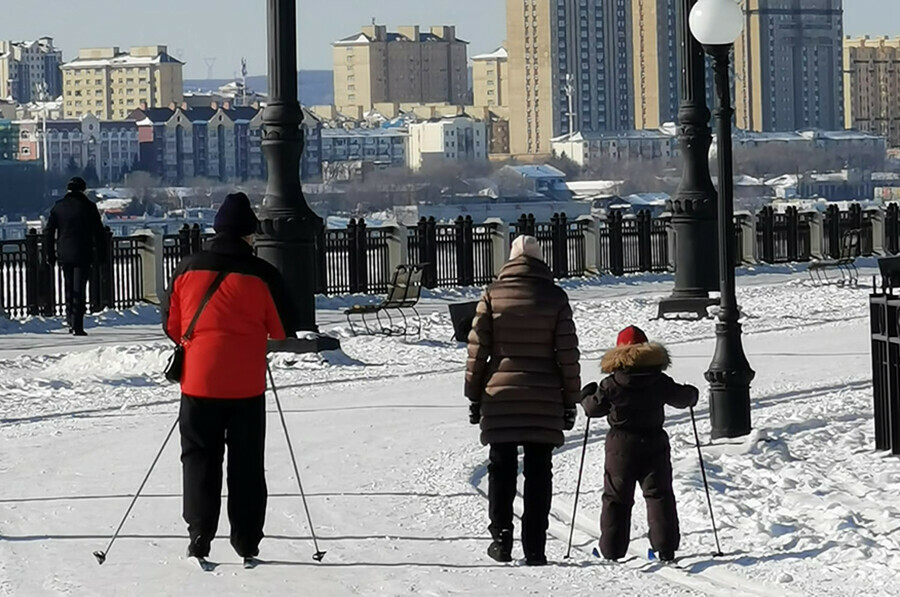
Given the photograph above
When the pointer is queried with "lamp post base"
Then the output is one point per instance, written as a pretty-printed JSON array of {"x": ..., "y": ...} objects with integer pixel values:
[{"x": 729, "y": 378}]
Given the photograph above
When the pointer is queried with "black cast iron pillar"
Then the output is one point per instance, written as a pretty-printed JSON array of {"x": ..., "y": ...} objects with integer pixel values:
[
  {"x": 729, "y": 373},
  {"x": 289, "y": 227},
  {"x": 694, "y": 207}
]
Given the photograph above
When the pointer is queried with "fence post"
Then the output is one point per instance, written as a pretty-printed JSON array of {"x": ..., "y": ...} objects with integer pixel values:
[
  {"x": 817, "y": 235},
  {"x": 616, "y": 244},
  {"x": 833, "y": 230},
  {"x": 469, "y": 250},
  {"x": 429, "y": 253},
  {"x": 764, "y": 229},
  {"x": 645, "y": 246},
  {"x": 671, "y": 239},
  {"x": 892, "y": 228},
  {"x": 460, "y": 238},
  {"x": 591, "y": 243},
  {"x": 793, "y": 234},
  {"x": 46, "y": 280},
  {"x": 321, "y": 262},
  {"x": 397, "y": 238},
  {"x": 499, "y": 244},
  {"x": 530, "y": 225},
  {"x": 749, "y": 249},
  {"x": 876, "y": 218},
  {"x": 32, "y": 273},
  {"x": 184, "y": 241},
  {"x": 362, "y": 255},
  {"x": 152, "y": 265},
  {"x": 196, "y": 244},
  {"x": 352, "y": 256},
  {"x": 560, "y": 234}
]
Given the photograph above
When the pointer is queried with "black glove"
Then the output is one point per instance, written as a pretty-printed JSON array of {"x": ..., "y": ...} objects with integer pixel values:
[
  {"x": 474, "y": 413},
  {"x": 589, "y": 390},
  {"x": 569, "y": 419}
]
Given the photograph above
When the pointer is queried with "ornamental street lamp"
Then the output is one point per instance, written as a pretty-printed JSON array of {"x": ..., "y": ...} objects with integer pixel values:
[
  {"x": 288, "y": 227},
  {"x": 694, "y": 207},
  {"x": 717, "y": 24}
]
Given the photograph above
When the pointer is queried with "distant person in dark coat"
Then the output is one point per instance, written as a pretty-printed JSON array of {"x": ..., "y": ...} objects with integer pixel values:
[
  {"x": 523, "y": 381},
  {"x": 633, "y": 398},
  {"x": 76, "y": 231}
]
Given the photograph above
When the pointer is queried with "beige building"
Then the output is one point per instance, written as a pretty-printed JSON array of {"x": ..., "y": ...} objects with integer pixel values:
[
  {"x": 490, "y": 79},
  {"x": 569, "y": 70},
  {"x": 411, "y": 65},
  {"x": 872, "y": 86},
  {"x": 111, "y": 84},
  {"x": 459, "y": 139},
  {"x": 655, "y": 55},
  {"x": 789, "y": 66}
]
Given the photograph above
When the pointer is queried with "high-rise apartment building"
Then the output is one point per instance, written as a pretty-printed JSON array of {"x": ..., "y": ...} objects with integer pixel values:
[
  {"x": 111, "y": 84},
  {"x": 490, "y": 79},
  {"x": 872, "y": 86},
  {"x": 789, "y": 66},
  {"x": 569, "y": 69},
  {"x": 411, "y": 65},
  {"x": 655, "y": 43},
  {"x": 29, "y": 70}
]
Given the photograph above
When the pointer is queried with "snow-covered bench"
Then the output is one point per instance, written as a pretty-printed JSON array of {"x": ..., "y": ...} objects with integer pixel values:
[
  {"x": 845, "y": 263},
  {"x": 403, "y": 294}
]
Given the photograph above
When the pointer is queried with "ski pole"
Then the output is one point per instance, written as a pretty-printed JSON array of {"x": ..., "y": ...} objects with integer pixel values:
[
  {"x": 587, "y": 429},
  {"x": 319, "y": 555},
  {"x": 101, "y": 555},
  {"x": 712, "y": 515}
]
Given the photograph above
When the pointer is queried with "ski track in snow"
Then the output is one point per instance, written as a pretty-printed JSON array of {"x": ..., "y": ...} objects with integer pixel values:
[{"x": 803, "y": 504}]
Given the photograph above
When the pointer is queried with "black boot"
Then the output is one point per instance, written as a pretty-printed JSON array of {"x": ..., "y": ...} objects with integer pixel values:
[
  {"x": 535, "y": 560},
  {"x": 666, "y": 556},
  {"x": 501, "y": 548}
]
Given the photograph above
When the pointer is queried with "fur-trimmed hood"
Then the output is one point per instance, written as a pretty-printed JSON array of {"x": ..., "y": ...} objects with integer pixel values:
[{"x": 643, "y": 358}]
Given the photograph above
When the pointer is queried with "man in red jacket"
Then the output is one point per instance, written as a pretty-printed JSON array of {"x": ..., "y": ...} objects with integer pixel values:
[{"x": 224, "y": 377}]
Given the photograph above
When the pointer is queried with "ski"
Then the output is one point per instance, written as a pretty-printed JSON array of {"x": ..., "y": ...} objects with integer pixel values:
[
  {"x": 651, "y": 556},
  {"x": 206, "y": 565}
]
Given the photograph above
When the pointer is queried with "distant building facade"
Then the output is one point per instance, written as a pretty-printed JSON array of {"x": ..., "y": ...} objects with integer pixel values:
[
  {"x": 644, "y": 145},
  {"x": 872, "y": 86},
  {"x": 384, "y": 147},
  {"x": 111, "y": 84},
  {"x": 411, "y": 65},
  {"x": 30, "y": 68},
  {"x": 458, "y": 139},
  {"x": 490, "y": 79},
  {"x": 107, "y": 148},
  {"x": 570, "y": 70},
  {"x": 789, "y": 66}
]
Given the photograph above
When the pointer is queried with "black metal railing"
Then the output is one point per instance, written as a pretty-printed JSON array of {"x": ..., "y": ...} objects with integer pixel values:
[
  {"x": 359, "y": 259},
  {"x": 884, "y": 309}
]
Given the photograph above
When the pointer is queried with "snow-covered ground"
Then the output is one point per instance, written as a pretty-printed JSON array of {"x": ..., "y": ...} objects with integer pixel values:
[{"x": 396, "y": 475}]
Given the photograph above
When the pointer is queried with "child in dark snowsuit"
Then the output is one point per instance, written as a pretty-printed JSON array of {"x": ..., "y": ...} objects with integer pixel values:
[{"x": 633, "y": 398}]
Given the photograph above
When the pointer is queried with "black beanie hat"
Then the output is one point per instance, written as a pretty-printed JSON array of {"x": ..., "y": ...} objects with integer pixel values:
[
  {"x": 236, "y": 217},
  {"x": 77, "y": 184}
]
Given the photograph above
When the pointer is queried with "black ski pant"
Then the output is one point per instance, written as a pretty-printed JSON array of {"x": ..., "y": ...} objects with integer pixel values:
[
  {"x": 633, "y": 458},
  {"x": 207, "y": 426},
  {"x": 503, "y": 471},
  {"x": 75, "y": 278}
]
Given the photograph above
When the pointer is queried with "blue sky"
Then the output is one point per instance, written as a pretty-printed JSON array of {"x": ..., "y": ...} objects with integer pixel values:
[{"x": 230, "y": 29}]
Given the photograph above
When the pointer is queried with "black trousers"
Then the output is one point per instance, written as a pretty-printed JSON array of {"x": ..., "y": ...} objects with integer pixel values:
[
  {"x": 207, "y": 426},
  {"x": 76, "y": 278},
  {"x": 633, "y": 459},
  {"x": 503, "y": 471}
]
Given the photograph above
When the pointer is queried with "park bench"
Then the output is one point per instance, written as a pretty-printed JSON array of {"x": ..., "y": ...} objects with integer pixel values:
[
  {"x": 403, "y": 294},
  {"x": 845, "y": 263}
]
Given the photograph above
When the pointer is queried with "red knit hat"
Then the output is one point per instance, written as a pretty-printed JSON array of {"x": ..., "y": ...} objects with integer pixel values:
[{"x": 631, "y": 335}]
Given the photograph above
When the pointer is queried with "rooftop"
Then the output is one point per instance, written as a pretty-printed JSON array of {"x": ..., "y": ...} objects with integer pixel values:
[
  {"x": 498, "y": 54},
  {"x": 538, "y": 171}
]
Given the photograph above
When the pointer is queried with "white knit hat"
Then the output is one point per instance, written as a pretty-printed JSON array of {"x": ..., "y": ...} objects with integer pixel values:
[{"x": 527, "y": 246}]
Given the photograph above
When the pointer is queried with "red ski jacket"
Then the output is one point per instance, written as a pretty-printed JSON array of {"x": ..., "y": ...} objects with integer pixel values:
[{"x": 226, "y": 355}]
